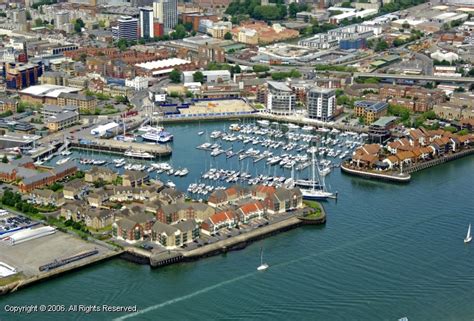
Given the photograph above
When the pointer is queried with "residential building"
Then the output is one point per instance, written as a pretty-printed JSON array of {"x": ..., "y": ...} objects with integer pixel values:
[
  {"x": 7, "y": 104},
  {"x": 166, "y": 11},
  {"x": 321, "y": 103},
  {"x": 176, "y": 235},
  {"x": 75, "y": 189},
  {"x": 41, "y": 179},
  {"x": 223, "y": 219},
  {"x": 280, "y": 98},
  {"x": 53, "y": 110},
  {"x": 284, "y": 200},
  {"x": 370, "y": 111},
  {"x": 250, "y": 210},
  {"x": 146, "y": 23},
  {"x": 84, "y": 102},
  {"x": 46, "y": 197},
  {"x": 219, "y": 29},
  {"x": 21, "y": 75},
  {"x": 134, "y": 178},
  {"x": 127, "y": 28},
  {"x": 172, "y": 213},
  {"x": 104, "y": 174}
]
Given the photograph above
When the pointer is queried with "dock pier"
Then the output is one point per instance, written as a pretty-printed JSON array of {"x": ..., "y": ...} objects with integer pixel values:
[{"x": 119, "y": 147}]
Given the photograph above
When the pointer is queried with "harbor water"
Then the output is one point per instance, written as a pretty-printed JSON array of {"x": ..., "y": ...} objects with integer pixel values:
[{"x": 387, "y": 251}]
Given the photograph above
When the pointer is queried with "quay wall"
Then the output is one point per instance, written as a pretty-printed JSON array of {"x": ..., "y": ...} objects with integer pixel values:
[
  {"x": 271, "y": 117},
  {"x": 408, "y": 170},
  {"x": 86, "y": 262},
  {"x": 381, "y": 176},
  {"x": 234, "y": 243},
  {"x": 434, "y": 162}
]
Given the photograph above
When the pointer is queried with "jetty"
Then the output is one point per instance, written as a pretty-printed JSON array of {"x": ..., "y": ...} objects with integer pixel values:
[{"x": 120, "y": 147}]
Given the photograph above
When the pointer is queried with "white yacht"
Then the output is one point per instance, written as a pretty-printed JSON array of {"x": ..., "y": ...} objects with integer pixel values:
[
  {"x": 262, "y": 266},
  {"x": 147, "y": 128},
  {"x": 138, "y": 154},
  {"x": 468, "y": 236},
  {"x": 263, "y": 122},
  {"x": 63, "y": 160},
  {"x": 307, "y": 128}
]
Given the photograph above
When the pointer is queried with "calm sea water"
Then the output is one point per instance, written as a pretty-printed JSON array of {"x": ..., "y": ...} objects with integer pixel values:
[{"x": 387, "y": 251}]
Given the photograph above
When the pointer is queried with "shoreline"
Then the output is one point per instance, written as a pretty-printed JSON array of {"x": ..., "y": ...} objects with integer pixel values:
[
  {"x": 406, "y": 177},
  {"x": 267, "y": 116},
  {"x": 140, "y": 256}
]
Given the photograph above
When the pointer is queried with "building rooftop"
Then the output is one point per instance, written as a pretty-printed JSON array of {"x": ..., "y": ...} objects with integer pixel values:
[
  {"x": 52, "y": 91},
  {"x": 383, "y": 121},
  {"x": 165, "y": 63}
]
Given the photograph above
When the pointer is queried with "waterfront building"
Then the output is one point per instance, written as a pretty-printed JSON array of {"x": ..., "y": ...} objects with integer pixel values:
[
  {"x": 53, "y": 110},
  {"x": 220, "y": 220},
  {"x": 41, "y": 179},
  {"x": 172, "y": 213},
  {"x": 146, "y": 23},
  {"x": 280, "y": 98},
  {"x": 176, "y": 235},
  {"x": 97, "y": 173},
  {"x": 283, "y": 200},
  {"x": 134, "y": 178},
  {"x": 166, "y": 11},
  {"x": 321, "y": 103},
  {"x": 379, "y": 131},
  {"x": 250, "y": 211}
]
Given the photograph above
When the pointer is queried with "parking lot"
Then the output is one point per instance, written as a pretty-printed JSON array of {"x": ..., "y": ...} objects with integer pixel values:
[{"x": 10, "y": 223}]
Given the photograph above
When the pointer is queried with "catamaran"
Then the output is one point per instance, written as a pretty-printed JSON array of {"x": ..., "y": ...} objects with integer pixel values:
[
  {"x": 263, "y": 266},
  {"x": 468, "y": 236}
]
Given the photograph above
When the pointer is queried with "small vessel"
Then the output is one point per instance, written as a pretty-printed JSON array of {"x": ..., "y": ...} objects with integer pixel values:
[
  {"x": 468, "y": 235},
  {"x": 146, "y": 129},
  {"x": 138, "y": 154},
  {"x": 263, "y": 122},
  {"x": 62, "y": 161},
  {"x": 200, "y": 133},
  {"x": 263, "y": 266},
  {"x": 66, "y": 152},
  {"x": 307, "y": 128}
]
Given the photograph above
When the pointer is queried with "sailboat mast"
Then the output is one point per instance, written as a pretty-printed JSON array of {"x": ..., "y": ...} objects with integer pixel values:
[{"x": 313, "y": 167}]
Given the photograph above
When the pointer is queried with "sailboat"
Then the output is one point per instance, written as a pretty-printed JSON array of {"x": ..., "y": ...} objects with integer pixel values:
[
  {"x": 318, "y": 187},
  {"x": 468, "y": 236},
  {"x": 263, "y": 266}
]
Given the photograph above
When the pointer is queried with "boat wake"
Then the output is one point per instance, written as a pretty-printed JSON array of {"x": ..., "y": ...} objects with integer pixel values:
[
  {"x": 297, "y": 260},
  {"x": 184, "y": 297}
]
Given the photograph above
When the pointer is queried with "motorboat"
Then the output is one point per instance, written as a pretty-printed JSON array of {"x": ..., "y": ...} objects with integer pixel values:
[
  {"x": 63, "y": 161},
  {"x": 138, "y": 154}
]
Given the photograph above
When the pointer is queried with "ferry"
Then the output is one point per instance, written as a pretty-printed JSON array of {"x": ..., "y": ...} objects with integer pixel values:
[{"x": 158, "y": 136}]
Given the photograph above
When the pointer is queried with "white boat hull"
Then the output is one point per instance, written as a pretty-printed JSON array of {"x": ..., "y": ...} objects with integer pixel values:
[{"x": 262, "y": 267}]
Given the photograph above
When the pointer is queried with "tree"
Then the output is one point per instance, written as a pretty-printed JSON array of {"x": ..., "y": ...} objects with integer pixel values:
[
  {"x": 78, "y": 25},
  {"x": 228, "y": 36},
  {"x": 260, "y": 68},
  {"x": 175, "y": 76},
  {"x": 28, "y": 15},
  {"x": 122, "y": 44},
  {"x": 381, "y": 45},
  {"x": 5, "y": 159},
  {"x": 198, "y": 77},
  {"x": 38, "y": 22}
]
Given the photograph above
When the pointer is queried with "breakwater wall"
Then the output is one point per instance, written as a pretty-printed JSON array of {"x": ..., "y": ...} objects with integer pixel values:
[{"x": 390, "y": 177}]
